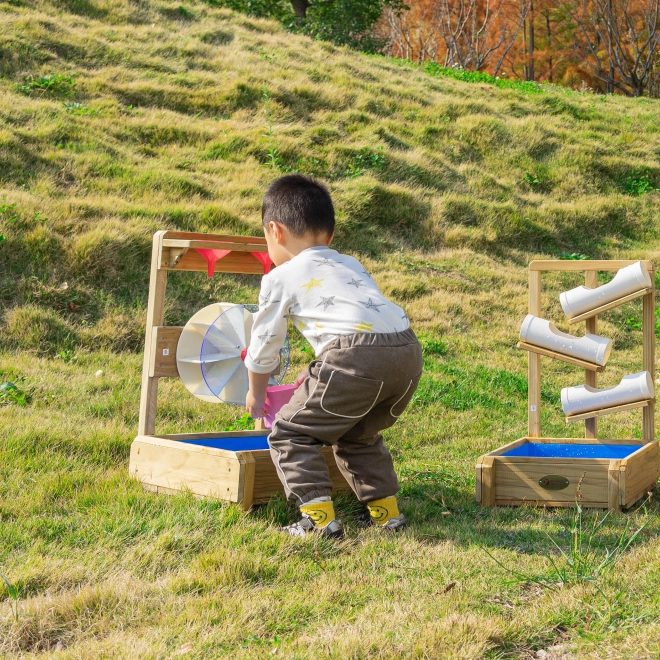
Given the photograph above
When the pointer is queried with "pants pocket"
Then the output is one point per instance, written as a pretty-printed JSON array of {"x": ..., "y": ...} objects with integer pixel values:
[
  {"x": 400, "y": 405},
  {"x": 349, "y": 396}
]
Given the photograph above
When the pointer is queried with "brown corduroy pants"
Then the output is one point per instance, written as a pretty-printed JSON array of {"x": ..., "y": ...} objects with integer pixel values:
[{"x": 357, "y": 388}]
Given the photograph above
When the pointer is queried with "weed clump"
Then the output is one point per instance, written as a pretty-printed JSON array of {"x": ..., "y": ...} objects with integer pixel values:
[
  {"x": 56, "y": 84},
  {"x": 37, "y": 329}
]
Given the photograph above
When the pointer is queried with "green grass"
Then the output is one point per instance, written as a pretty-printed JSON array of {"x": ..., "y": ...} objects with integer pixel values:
[{"x": 118, "y": 119}]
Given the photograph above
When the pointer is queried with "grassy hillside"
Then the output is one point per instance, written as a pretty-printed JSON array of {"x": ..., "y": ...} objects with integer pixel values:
[{"x": 121, "y": 118}]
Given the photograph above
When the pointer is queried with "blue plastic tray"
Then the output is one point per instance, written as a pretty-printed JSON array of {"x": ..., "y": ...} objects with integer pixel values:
[
  {"x": 558, "y": 450},
  {"x": 241, "y": 443}
]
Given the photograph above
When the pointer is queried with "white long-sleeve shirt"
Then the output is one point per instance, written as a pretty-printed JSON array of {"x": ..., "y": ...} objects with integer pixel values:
[{"x": 325, "y": 294}]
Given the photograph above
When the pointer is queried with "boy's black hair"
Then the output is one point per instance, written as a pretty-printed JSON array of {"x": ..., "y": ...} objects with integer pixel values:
[{"x": 301, "y": 204}]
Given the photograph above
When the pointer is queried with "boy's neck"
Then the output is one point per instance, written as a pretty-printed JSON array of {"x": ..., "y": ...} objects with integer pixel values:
[
  {"x": 293, "y": 246},
  {"x": 293, "y": 249}
]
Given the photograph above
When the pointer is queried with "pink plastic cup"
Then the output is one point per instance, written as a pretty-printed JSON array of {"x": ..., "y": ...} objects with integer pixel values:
[{"x": 276, "y": 397}]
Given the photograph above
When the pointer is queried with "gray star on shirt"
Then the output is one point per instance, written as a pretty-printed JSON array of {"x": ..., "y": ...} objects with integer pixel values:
[
  {"x": 367, "y": 274},
  {"x": 326, "y": 302},
  {"x": 326, "y": 262},
  {"x": 264, "y": 300},
  {"x": 370, "y": 304},
  {"x": 356, "y": 283},
  {"x": 292, "y": 309},
  {"x": 265, "y": 338}
]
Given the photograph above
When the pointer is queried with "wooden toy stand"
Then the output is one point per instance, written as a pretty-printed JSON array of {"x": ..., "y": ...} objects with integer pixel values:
[
  {"x": 612, "y": 483},
  {"x": 172, "y": 463}
]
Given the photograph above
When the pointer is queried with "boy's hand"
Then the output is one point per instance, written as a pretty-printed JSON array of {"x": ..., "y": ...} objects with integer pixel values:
[
  {"x": 300, "y": 378},
  {"x": 255, "y": 405}
]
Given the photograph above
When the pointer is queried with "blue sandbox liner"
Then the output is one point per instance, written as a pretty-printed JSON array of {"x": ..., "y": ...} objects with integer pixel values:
[
  {"x": 558, "y": 450},
  {"x": 242, "y": 443}
]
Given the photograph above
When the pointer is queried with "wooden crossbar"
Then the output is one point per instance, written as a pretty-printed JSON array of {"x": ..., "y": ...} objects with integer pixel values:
[
  {"x": 608, "y": 411},
  {"x": 559, "y": 356},
  {"x": 603, "y": 308}
]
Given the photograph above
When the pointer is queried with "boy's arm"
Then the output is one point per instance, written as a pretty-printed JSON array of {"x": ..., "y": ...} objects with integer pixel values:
[
  {"x": 256, "y": 397},
  {"x": 268, "y": 335}
]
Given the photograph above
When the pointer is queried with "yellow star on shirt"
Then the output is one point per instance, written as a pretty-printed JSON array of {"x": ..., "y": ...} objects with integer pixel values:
[
  {"x": 364, "y": 327},
  {"x": 317, "y": 325},
  {"x": 301, "y": 325},
  {"x": 312, "y": 284}
]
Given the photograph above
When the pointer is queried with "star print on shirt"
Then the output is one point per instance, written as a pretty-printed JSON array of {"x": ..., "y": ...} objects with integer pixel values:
[
  {"x": 356, "y": 283},
  {"x": 370, "y": 304},
  {"x": 326, "y": 262},
  {"x": 292, "y": 309},
  {"x": 326, "y": 302},
  {"x": 264, "y": 300},
  {"x": 312, "y": 284},
  {"x": 265, "y": 338},
  {"x": 367, "y": 274},
  {"x": 364, "y": 327}
]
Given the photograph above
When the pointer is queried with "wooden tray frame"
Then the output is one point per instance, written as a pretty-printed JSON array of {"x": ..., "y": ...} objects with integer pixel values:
[
  {"x": 163, "y": 463},
  {"x": 604, "y": 483}
]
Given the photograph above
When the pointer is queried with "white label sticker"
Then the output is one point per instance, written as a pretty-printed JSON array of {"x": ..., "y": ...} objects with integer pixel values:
[
  {"x": 532, "y": 408},
  {"x": 166, "y": 351}
]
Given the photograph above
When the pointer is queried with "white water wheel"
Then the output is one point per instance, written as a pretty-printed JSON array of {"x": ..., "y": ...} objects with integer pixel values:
[{"x": 211, "y": 353}]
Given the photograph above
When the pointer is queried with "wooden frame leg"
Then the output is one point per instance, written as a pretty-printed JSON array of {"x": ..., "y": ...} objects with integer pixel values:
[
  {"x": 591, "y": 377},
  {"x": 648, "y": 319},
  {"x": 155, "y": 313},
  {"x": 534, "y": 364}
]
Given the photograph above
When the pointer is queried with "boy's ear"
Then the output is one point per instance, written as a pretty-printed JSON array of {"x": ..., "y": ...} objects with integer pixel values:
[
  {"x": 277, "y": 231},
  {"x": 329, "y": 239}
]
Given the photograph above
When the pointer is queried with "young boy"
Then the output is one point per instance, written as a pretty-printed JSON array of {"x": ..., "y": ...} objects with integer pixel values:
[{"x": 368, "y": 362}]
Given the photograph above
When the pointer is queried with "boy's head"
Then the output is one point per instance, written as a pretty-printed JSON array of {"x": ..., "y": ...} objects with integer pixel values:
[{"x": 298, "y": 209}]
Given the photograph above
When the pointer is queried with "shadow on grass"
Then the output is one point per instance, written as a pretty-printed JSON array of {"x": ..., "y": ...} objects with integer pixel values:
[{"x": 440, "y": 507}]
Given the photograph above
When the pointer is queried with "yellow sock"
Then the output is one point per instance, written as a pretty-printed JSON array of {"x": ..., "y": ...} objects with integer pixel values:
[
  {"x": 382, "y": 510},
  {"x": 321, "y": 513}
]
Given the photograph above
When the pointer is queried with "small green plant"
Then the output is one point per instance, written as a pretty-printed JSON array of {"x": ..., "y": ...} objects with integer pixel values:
[
  {"x": 11, "y": 394},
  {"x": 13, "y": 594},
  {"x": 433, "y": 347},
  {"x": 79, "y": 109},
  {"x": 55, "y": 84},
  {"x": 638, "y": 183},
  {"x": 8, "y": 210},
  {"x": 66, "y": 356},
  {"x": 267, "y": 56},
  {"x": 573, "y": 256},
  {"x": 244, "y": 423},
  {"x": 273, "y": 158},
  {"x": 531, "y": 179},
  {"x": 635, "y": 323},
  {"x": 365, "y": 160}
]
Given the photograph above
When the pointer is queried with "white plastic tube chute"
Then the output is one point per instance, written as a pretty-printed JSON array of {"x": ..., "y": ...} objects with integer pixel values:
[
  {"x": 633, "y": 388},
  {"x": 544, "y": 334},
  {"x": 627, "y": 281}
]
